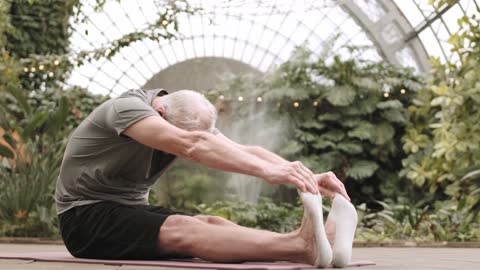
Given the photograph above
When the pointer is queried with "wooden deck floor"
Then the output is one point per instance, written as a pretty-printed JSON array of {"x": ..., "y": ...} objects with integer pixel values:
[{"x": 386, "y": 259}]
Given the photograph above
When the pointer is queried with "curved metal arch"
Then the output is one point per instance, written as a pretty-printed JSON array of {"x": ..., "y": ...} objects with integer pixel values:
[
  {"x": 119, "y": 83},
  {"x": 393, "y": 21}
]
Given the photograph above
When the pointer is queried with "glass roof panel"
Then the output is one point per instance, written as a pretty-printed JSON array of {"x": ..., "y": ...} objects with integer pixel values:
[
  {"x": 435, "y": 26},
  {"x": 259, "y": 33}
]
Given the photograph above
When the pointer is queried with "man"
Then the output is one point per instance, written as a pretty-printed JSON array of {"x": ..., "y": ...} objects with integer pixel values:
[{"x": 117, "y": 153}]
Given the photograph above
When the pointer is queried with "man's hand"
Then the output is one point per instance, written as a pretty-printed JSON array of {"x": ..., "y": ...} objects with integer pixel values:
[
  {"x": 328, "y": 184},
  {"x": 292, "y": 173}
]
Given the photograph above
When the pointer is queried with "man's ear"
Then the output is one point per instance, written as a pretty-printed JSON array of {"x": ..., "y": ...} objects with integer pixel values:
[{"x": 162, "y": 112}]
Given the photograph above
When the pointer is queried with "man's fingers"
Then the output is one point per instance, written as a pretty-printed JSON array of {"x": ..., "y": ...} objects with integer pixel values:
[
  {"x": 298, "y": 183},
  {"x": 309, "y": 174},
  {"x": 308, "y": 184},
  {"x": 308, "y": 178},
  {"x": 326, "y": 193},
  {"x": 331, "y": 181},
  {"x": 341, "y": 188}
]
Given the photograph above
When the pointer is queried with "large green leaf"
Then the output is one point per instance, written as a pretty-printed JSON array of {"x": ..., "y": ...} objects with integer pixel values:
[
  {"x": 390, "y": 104},
  {"x": 350, "y": 147},
  {"x": 365, "y": 131},
  {"x": 394, "y": 116},
  {"x": 342, "y": 95},
  {"x": 384, "y": 133},
  {"x": 313, "y": 124},
  {"x": 333, "y": 135},
  {"x": 321, "y": 144},
  {"x": 327, "y": 161},
  {"x": 329, "y": 117},
  {"x": 361, "y": 169}
]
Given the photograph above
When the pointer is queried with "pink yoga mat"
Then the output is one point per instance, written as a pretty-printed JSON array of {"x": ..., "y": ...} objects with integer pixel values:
[{"x": 191, "y": 263}]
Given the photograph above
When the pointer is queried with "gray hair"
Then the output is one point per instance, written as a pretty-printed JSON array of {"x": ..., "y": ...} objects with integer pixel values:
[{"x": 190, "y": 110}]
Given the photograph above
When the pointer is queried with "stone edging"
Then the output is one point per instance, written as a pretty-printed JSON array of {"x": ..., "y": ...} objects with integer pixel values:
[{"x": 416, "y": 244}]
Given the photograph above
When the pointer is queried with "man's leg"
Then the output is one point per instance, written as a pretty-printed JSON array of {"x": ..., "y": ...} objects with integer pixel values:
[
  {"x": 215, "y": 220},
  {"x": 190, "y": 236}
]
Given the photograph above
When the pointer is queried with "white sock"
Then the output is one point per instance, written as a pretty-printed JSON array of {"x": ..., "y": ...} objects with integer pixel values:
[
  {"x": 344, "y": 215},
  {"x": 313, "y": 208}
]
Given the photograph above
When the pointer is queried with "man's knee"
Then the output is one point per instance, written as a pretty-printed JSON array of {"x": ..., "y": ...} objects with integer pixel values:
[
  {"x": 212, "y": 219},
  {"x": 173, "y": 236}
]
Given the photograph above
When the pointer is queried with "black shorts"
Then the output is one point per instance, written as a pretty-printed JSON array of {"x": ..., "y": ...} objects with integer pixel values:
[{"x": 109, "y": 230}]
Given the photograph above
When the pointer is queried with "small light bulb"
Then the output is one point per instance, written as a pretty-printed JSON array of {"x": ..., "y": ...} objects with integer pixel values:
[
  {"x": 240, "y": 98},
  {"x": 56, "y": 62},
  {"x": 33, "y": 69},
  {"x": 296, "y": 104},
  {"x": 386, "y": 94},
  {"x": 403, "y": 91},
  {"x": 259, "y": 99},
  {"x": 25, "y": 69},
  {"x": 40, "y": 67},
  {"x": 108, "y": 51},
  {"x": 50, "y": 74},
  {"x": 222, "y": 97},
  {"x": 315, "y": 103},
  {"x": 165, "y": 23}
]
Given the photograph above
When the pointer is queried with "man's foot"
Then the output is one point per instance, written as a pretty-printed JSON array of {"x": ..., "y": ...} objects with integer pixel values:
[
  {"x": 343, "y": 217},
  {"x": 319, "y": 252}
]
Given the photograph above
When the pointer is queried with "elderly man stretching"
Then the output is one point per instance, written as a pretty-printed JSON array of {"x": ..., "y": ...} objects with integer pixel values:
[{"x": 120, "y": 150}]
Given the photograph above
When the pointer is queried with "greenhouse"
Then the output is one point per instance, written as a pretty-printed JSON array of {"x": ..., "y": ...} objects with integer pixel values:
[{"x": 232, "y": 130}]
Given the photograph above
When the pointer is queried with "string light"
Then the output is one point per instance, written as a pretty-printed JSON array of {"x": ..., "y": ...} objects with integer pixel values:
[
  {"x": 222, "y": 97},
  {"x": 40, "y": 67},
  {"x": 386, "y": 94},
  {"x": 315, "y": 103},
  {"x": 259, "y": 99},
  {"x": 240, "y": 98},
  {"x": 56, "y": 62},
  {"x": 33, "y": 69},
  {"x": 296, "y": 104},
  {"x": 108, "y": 51},
  {"x": 25, "y": 69},
  {"x": 403, "y": 91},
  {"x": 50, "y": 74},
  {"x": 165, "y": 23}
]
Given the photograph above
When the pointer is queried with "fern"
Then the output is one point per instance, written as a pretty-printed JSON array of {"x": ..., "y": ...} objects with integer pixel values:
[
  {"x": 350, "y": 148},
  {"x": 390, "y": 104},
  {"x": 362, "y": 169},
  {"x": 384, "y": 133},
  {"x": 365, "y": 131},
  {"x": 321, "y": 144}
]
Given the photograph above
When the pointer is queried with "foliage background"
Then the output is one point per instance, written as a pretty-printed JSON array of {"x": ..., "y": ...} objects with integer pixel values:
[{"x": 410, "y": 160}]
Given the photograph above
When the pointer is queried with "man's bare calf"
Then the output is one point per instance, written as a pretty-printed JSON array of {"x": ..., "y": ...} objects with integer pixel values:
[{"x": 219, "y": 240}]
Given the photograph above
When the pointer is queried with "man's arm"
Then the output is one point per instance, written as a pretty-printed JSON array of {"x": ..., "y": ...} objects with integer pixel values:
[
  {"x": 208, "y": 150},
  {"x": 256, "y": 150},
  {"x": 328, "y": 183}
]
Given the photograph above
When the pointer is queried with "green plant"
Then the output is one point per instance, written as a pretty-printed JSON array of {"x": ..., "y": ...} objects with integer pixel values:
[
  {"x": 443, "y": 137},
  {"x": 27, "y": 189},
  {"x": 418, "y": 221},
  {"x": 345, "y": 115},
  {"x": 265, "y": 215}
]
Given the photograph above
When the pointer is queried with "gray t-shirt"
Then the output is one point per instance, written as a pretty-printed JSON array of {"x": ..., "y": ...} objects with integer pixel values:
[{"x": 100, "y": 163}]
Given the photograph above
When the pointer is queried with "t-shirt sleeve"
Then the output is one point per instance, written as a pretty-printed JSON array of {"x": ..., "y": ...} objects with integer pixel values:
[{"x": 127, "y": 111}]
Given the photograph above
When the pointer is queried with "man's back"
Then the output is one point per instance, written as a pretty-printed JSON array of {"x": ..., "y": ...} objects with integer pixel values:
[{"x": 101, "y": 164}]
